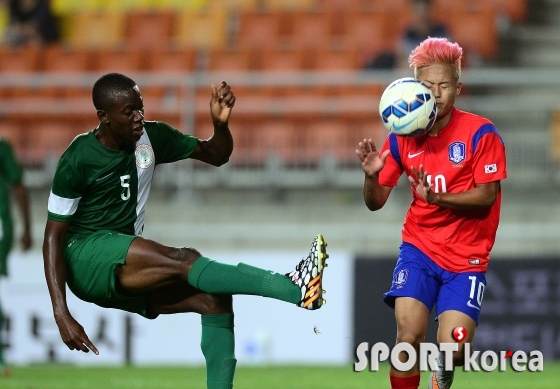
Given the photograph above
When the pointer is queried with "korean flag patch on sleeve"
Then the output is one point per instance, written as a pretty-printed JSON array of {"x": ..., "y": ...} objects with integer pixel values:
[{"x": 492, "y": 168}]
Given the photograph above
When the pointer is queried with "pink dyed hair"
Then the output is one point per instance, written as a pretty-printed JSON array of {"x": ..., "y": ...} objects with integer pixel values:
[{"x": 436, "y": 50}]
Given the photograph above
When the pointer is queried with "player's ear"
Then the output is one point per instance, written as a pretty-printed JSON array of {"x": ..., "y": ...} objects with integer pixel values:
[
  {"x": 102, "y": 116},
  {"x": 459, "y": 87}
]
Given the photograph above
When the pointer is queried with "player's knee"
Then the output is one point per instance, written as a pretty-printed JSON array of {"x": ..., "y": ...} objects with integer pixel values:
[
  {"x": 216, "y": 303},
  {"x": 412, "y": 337}
]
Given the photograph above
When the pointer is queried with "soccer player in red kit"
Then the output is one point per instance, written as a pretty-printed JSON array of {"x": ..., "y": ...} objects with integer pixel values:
[{"x": 454, "y": 173}]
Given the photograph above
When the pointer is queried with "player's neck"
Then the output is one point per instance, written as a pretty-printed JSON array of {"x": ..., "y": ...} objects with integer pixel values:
[{"x": 441, "y": 123}]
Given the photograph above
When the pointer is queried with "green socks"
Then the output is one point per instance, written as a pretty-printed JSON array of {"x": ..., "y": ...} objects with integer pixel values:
[
  {"x": 219, "y": 278},
  {"x": 218, "y": 347}
]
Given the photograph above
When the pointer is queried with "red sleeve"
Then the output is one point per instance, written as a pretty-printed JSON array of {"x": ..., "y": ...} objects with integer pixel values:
[
  {"x": 389, "y": 175},
  {"x": 489, "y": 155}
]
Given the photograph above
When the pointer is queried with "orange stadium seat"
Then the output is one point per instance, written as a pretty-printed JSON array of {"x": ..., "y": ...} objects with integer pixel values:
[
  {"x": 18, "y": 60},
  {"x": 311, "y": 29},
  {"x": 326, "y": 138},
  {"x": 171, "y": 60},
  {"x": 516, "y": 10},
  {"x": 367, "y": 31},
  {"x": 46, "y": 140},
  {"x": 96, "y": 29},
  {"x": 305, "y": 5},
  {"x": 326, "y": 59},
  {"x": 116, "y": 60},
  {"x": 259, "y": 29},
  {"x": 284, "y": 60},
  {"x": 275, "y": 138},
  {"x": 67, "y": 60},
  {"x": 482, "y": 40},
  {"x": 11, "y": 132},
  {"x": 148, "y": 29},
  {"x": 202, "y": 30},
  {"x": 232, "y": 60}
]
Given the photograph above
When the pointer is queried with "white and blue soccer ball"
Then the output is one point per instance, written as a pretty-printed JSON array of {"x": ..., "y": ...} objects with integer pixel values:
[{"x": 408, "y": 107}]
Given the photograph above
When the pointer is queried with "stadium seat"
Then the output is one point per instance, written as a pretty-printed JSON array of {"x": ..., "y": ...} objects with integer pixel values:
[
  {"x": 171, "y": 60},
  {"x": 11, "y": 132},
  {"x": 115, "y": 60},
  {"x": 284, "y": 60},
  {"x": 336, "y": 60},
  {"x": 19, "y": 60},
  {"x": 311, "y": 29},
  {"x": 149, "y": 29},
  {"x": 203, "y": 31},
  {"x": 232, "y": 60},
  {"x": 96, "y": 29},
  {"x": 292, "y": 5},
  {"x": 47, "y": 140},
  {"x": 326, "y": 139},
  {"x": 367, "y": 31},
  {"x": 258, "y": 30},
  {"x": 275, "y": 138},
  {"x": 480, "y": 41},
  {"x": 66, "y": 60}
]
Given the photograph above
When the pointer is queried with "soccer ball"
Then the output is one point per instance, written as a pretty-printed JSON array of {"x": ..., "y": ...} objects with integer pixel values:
[{"x": 408, "y": 107}]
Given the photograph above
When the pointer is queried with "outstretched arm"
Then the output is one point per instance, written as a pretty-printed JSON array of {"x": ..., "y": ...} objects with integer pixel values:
[
  {"x": 71, "y": 332},
  {"x": 375, "y": 194},
  {"x": 217, "y": 150},
  {"x": 22, "y": 199},
  {"x": 481, "y": 196}
]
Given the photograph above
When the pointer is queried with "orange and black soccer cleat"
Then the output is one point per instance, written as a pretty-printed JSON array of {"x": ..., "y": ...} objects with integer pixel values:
[{"x": 308, "y": 275}]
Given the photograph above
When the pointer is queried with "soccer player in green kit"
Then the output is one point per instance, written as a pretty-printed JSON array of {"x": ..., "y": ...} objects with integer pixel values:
[
  {"x": 96, "y": 216},
  {"x": 11, "y": 177}
]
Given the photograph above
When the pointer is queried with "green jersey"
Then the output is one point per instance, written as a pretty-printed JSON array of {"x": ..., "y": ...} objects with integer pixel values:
[
  {"x": 10, "y": 174},
  {"x": 95, "y": 188}
]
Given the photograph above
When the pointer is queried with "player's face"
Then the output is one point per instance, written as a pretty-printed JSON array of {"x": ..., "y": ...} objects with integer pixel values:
[
  {"x": 125, "y": 118},
  {"x": 439, "y": 77}
]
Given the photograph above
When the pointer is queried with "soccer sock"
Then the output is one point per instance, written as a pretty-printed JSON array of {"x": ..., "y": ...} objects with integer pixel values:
[
  {"x": 215, "y": 277},
  {"x": 218, "y": 346},
  {"x": 410, "y": 382}
]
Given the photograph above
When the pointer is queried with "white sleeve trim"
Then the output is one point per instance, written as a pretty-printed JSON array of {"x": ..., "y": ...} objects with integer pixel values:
[{"x": 62, "y": 206}]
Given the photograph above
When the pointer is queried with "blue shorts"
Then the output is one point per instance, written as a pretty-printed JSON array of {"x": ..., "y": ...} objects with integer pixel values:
[{"x": 417, "y": 276}]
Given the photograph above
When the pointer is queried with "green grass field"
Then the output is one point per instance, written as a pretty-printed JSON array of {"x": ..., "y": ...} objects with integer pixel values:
[{"x": 278, "y": 377}]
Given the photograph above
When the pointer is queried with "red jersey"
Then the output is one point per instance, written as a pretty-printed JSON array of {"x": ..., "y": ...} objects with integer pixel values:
[{"x": 466, "y": 152}]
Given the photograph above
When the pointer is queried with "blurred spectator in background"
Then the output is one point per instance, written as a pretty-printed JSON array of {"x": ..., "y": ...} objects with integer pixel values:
[
  {"x": 31, "y": 22},
  {"x": 10, "y": 177},
  {"x": 422, "y": 26}
]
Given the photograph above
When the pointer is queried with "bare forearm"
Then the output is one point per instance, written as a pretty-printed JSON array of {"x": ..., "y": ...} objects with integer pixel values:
[
  {"x": 482, "y": 196},
  {"x": 55, "y": 271},
  {"x": 374, "y": 196},
  {"x": 220, "y": 144}
]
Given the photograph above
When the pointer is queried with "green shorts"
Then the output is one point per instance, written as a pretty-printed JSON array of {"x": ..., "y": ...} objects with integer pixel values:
[{"x": 91, "y": 263}]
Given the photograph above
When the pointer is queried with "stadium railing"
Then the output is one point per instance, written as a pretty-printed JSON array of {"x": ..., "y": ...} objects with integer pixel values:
[{"x": 296, "y": 129}]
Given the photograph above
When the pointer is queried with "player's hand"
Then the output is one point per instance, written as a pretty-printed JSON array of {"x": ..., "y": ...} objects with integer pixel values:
[
  {"x": 372, "y": 162},
  {"x": 419, "y": 181},
  {"x": 221, "y": 103},
  {"x": 74, "y": 336}
]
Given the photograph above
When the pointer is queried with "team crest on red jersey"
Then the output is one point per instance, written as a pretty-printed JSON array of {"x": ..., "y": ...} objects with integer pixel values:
[{"x": 457, "y": 152}]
